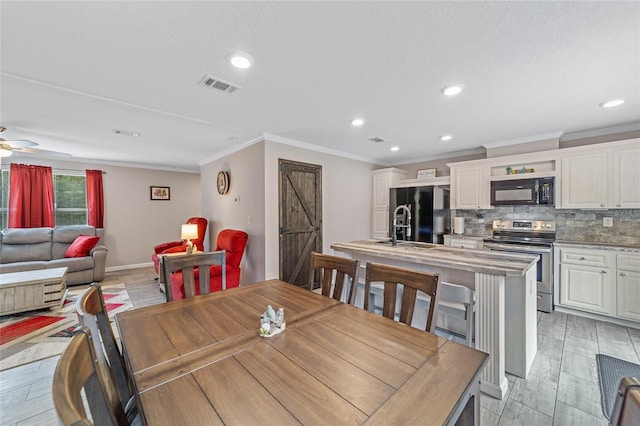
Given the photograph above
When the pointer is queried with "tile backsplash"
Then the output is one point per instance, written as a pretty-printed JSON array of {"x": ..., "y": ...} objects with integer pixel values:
[{"x": 571, "y": 225}]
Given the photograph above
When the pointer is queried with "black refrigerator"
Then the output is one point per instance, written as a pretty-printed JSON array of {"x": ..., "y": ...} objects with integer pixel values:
[{"x": 429, "y": 206}]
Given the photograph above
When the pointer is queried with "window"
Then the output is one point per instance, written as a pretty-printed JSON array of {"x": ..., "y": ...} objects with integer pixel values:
[{"x": 70, "y": 198}]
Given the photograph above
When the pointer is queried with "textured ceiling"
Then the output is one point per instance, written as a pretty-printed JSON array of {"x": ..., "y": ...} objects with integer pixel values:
[{"x": 71, "y": 72}]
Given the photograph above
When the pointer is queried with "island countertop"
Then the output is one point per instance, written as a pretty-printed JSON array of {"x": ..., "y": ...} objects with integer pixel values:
[{"x": 486, "y": 262}]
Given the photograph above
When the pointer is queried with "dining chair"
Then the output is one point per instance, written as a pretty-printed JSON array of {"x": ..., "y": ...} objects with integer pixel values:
[
  {"x": 626, "y": 409},
  {"x": 456, "y": 301},
  {"x": 77, "y": 370},
  {"x": 187, "y": 273},
  {"x": 332, "y": 272},
  {"x": 92, "y": 314},
  {"x": 412, "y": 281}
]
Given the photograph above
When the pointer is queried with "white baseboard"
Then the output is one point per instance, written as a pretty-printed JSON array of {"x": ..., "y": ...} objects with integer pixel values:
[
  {"x": 620, "y": 321},
  {"x": 125, "y": 267}
]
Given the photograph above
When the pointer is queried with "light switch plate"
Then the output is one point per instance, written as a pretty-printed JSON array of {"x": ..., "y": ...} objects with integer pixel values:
[{"x": 607, "y": 222}]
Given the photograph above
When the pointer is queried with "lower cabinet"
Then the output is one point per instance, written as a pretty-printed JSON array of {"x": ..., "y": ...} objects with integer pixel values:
[
  {"x": 588, "y": 288},
  {"x": 628, "y": 286},
  {"x": 380, "y": 223},
  {"x": 600, "y": 281}
]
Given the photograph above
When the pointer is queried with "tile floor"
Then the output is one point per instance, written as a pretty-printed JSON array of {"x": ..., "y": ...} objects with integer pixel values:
[{"x": 562, "y": 388}]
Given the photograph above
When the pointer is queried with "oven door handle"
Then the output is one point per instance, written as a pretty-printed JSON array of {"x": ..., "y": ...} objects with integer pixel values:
[{"x": 519, "y": 249}]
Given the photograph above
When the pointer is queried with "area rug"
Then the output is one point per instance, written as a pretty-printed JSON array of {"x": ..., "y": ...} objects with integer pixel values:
[
  {"x": 31, "y": 336},
  {"x": 610, "y": 371}
]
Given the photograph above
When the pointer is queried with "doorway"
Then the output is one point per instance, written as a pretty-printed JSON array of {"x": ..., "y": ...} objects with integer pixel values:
[{"x": 300, "y": 213}]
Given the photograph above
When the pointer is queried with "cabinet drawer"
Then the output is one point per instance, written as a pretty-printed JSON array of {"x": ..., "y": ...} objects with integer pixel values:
[
  {"x": 464, "y": 244},
  {"x": 584, "y": 257},
  {"x": 628, "y": 262}
]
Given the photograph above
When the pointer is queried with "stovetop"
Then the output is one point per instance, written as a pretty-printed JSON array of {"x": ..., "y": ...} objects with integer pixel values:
[{"x": 535, "y": 232}]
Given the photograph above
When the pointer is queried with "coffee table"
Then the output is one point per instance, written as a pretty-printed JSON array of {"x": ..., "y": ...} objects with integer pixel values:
[{"x": 30, "y": 290}]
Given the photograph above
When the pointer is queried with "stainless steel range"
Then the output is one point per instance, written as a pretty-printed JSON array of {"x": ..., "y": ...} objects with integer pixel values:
[{"x": 529, "y": 237}]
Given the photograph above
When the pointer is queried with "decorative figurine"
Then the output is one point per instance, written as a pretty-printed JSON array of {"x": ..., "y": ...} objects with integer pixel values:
[{"x": 272, "y": 323}]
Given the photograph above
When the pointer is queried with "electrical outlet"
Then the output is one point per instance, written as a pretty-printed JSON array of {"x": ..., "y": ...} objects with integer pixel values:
[
  {"x": 481, "y": 218},
  {"x": 607, "y": 222}
]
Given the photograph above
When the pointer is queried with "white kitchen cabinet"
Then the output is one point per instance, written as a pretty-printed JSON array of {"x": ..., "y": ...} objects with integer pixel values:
[
  {"x": 587, "y": 280},
  {"x": 463, "y": 242},
  {"x": 626, "y": 178},
  {"x": 601, "y": 281},
  {"x": 585, "y": 181},
  {"x": 470, "y": 188},
  {"x": 628, "y": 285},
  {"x": 608, "y": 178},
  {"x": 383, "y": 179},
  {"x": 588, "y": 288}
]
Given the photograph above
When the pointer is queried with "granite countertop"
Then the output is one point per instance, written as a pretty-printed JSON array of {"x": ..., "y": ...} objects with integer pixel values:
[
  {"x": 602, "y": 246},
  {"x": 486, "y": 262}
]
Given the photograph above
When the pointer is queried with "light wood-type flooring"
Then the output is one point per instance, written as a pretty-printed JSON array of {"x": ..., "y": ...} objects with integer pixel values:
[{"x": 562, "y": 388}]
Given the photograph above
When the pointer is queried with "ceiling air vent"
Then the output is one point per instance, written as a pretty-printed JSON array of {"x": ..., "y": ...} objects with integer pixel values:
[
  {"x": 377, "y": 140},
  {"x": 216, "y": 83}
]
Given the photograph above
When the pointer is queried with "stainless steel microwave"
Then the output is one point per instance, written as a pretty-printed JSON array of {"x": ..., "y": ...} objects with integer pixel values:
[{"x": 538, "y": 191}]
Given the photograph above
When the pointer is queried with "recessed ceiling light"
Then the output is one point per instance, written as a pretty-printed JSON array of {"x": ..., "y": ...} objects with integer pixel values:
[
  {"x": 394, "y": 148},
  {"x": 357, "y": 122},
  {"x": 452, "y": 90},
  {"x": 240, "y": 60},
  {"x": 445, "y": 138},
  {"x": 611, "y": 104}
]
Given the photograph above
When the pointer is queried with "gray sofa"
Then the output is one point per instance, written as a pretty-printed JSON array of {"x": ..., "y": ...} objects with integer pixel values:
[{"x": 28, "y": 249}]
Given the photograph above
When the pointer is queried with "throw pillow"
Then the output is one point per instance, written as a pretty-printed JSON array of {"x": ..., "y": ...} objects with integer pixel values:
[{"x": 81, "y": 246}]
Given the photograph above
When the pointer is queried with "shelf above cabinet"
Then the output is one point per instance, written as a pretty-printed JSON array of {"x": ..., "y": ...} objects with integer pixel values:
[
  {"x": 533, "y": 175},
  {"x": 437, "y": 181}
]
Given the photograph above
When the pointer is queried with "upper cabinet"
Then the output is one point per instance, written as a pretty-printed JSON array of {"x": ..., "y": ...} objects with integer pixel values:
[
  {"x": 608, "y": 178},
  {"x": 470, "y": 188},
  {"x": 602, "y": 176},
  {"x": 626, "y": 178},
  {"x": 383, "y": 179}
]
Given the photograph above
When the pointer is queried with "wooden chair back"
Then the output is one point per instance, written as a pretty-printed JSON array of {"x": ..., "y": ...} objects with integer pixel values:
[
  {"x": 412, "y": 281},
  {"x": 344, "y": 269},
  {"x": 626, "y": 410},
  {"x": 77, "y": 370},
  {"x": 187, "y": 264},
  {"x": 93, "y": 314}
]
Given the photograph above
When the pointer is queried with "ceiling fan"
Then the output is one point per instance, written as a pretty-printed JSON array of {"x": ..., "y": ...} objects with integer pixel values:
[{"x": 24, "y": 146}]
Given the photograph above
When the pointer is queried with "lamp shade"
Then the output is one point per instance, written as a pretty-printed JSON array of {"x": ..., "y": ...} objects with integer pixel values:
[{"x": 189, "y": 231}]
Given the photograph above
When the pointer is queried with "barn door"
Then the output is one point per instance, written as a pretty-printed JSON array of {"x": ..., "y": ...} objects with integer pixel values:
[{"x": 300, "y": 219}]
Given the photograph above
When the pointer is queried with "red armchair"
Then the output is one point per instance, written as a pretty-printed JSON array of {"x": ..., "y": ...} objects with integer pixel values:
[
  {"x": 234, "y": 243},
  {"x": 181, "y": 246}
]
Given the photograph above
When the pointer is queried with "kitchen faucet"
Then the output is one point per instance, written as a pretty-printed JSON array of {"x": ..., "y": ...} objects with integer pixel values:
[{"x": 407, "y": 225}]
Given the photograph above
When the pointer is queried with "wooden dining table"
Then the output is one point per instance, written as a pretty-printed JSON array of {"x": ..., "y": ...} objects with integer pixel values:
[{"x": 202, "y": 361}]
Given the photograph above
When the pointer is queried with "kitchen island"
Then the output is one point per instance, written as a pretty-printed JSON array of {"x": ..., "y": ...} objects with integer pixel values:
[{"x": 505, "y": 287}]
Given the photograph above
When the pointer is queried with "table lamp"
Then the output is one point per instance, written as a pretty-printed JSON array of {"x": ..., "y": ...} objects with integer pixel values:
[{"x": 189, "y": 231}]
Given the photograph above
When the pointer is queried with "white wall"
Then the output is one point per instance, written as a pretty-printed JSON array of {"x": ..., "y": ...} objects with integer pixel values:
[
  {"x": 346, "y": 199},
  {"x": 134, "y": 223},
  {"x": 346, "y": 186},
  {"x": 242, "y": 207}
]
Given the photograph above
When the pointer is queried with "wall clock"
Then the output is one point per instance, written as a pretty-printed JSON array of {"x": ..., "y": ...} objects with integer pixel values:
[{"x": 223, "y": 182}]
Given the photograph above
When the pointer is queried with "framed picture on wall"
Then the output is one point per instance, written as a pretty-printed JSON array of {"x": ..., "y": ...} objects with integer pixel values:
[
  {"x": 426, "y": 173},
  {"x": 160, "y": 192}
]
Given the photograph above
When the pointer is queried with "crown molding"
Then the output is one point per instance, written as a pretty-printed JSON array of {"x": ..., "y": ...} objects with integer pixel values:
[
  {"x": 524, "y": 139},
  {"x": 316, "y": 148},
  {"x": 630, "y": 127},
  {"x": 445, "y": 156}
]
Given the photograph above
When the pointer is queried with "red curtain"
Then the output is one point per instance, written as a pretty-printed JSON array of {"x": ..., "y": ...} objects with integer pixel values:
[
  {"x": 31, "y": 196},
  {"x": 95, "y": 199}
]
